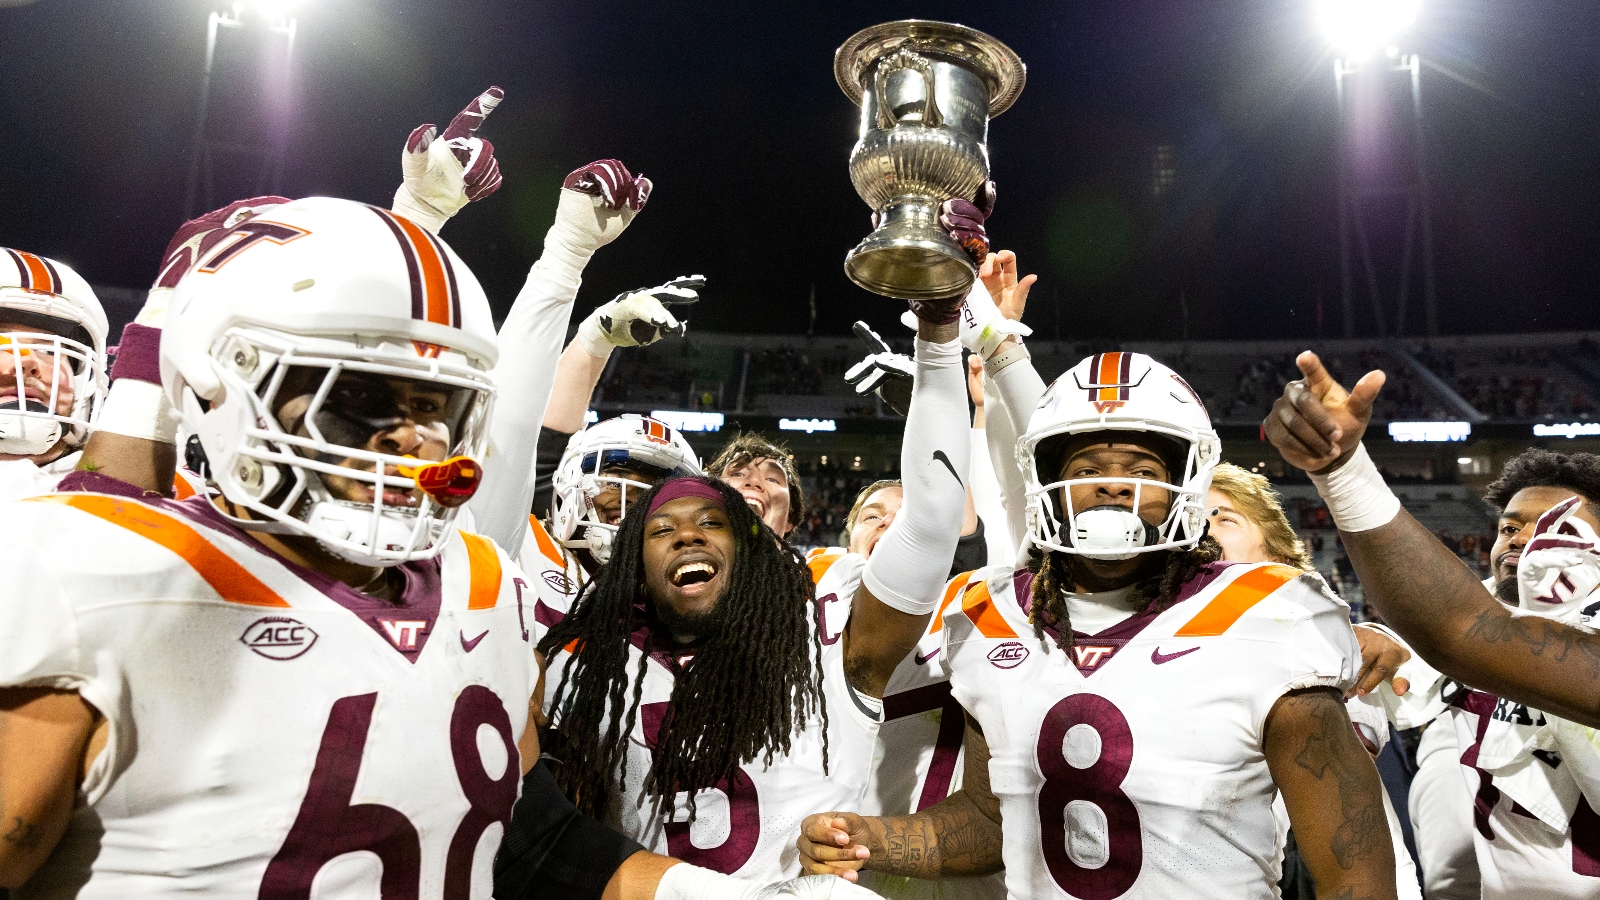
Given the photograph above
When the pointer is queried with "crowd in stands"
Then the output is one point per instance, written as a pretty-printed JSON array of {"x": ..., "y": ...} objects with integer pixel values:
[
  {"x": 830, "y": 489},
  {"x": 1510, "y": 382}
]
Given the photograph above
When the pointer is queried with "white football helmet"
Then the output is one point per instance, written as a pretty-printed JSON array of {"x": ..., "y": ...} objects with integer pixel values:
[
  {"x": 1111, "y": 392},
  {"x": 331, "y": 361},
  {"x": 651, "y": 448},
  {"x": 62, "y": 320}
]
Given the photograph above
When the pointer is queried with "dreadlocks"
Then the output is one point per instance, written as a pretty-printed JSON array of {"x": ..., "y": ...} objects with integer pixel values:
[
  {"x": 1053, "y": 576},
  {"x": 750, "y": 687}
]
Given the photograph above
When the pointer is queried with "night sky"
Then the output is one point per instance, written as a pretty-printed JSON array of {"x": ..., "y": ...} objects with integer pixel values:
[{"x": 732, "y": 110}]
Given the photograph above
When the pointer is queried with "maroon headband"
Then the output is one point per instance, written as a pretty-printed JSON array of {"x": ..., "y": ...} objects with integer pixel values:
[{"x": 678, "y": 488}]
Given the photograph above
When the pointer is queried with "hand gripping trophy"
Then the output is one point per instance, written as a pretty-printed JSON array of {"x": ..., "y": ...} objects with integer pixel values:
[{"x": 927, "y": 91}]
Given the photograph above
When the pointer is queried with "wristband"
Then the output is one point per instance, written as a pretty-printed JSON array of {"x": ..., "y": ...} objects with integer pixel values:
[
  {"x": 593, "y": 337},
  {"x": 993, "y": 367},
  {"x": 138, "y": 409},
  {"x": 1357, "y": 497}
]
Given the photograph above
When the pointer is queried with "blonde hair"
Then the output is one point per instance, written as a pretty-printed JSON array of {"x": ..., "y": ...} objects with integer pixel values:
[
  {"x": 1254, "y": 498},
  {"x": 861, "y": 500}
]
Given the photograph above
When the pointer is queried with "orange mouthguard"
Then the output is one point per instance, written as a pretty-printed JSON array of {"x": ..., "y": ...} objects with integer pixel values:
[{"x": 450, "y": 483}]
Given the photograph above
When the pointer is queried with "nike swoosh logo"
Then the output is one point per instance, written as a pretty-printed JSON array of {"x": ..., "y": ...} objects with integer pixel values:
[
  {"x": 920, "y": 659},
  {"x": 939, "y": 456},
  {"x": 1157, "y": 657},
  {"x": 471, "y": 645}
]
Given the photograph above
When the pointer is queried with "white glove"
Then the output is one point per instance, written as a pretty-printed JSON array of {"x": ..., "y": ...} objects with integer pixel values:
[
  {"x": 983, "y": 327},
  {"x": 442, "y": 176},
  {"x": 893, "y": 372},
  {"x": 690, "y": 882},
  {"x": 638, "y": 318},
  {"x": 1560, "y": 567}
]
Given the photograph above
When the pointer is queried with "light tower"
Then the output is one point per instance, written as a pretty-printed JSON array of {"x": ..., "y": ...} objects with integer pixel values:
[
  {"x": 242, "y": 129},
  {"x": 1385, "y": 216}
]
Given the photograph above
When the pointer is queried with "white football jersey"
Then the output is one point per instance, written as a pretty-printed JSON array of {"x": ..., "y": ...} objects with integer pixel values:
[
  {"x": 1136, "y": 769},
  {"x": 272, "y": 733},
  {"x": 1535, "y": 834},
  {"x": 747, "y": 828},
  {"x": 918, "y": 758},
  {"x": 21, "y": 478},
  {"x": 554, "y": 575}
]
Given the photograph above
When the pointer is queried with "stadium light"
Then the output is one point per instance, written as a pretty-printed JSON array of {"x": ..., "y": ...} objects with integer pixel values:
[{"x": 1357, "y": 28}]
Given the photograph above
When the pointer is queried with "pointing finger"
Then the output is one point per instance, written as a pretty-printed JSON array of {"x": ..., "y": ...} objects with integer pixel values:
[
  {"x": 467, "y": 122},
  {"x": 1317, "y": 377}
]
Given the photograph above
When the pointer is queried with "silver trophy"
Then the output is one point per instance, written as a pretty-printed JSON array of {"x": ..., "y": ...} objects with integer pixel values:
[{"x": 927, "y": 91}]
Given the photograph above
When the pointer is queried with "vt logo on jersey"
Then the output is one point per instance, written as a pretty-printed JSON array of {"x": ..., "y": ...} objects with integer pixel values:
[
  {"x": 1008, "y": 655},
  {"x": 278, "y": 637},
  {"x": 404, "y": 632},
  {"x": 1091, "y": 656}
]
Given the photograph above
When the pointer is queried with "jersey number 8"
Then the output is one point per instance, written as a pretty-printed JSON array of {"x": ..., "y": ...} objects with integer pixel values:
[{"x": 1088, "y": 828}]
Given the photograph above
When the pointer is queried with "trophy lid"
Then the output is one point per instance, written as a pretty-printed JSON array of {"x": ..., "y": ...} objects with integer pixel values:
[{"x": 999, "y": 66}]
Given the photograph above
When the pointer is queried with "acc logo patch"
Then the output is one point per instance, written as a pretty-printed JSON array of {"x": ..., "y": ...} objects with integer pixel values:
[
  {"x": 557, "y": 580},
  {"x": 1008, "y": 655},
  {"x": 278, "y": 637}
]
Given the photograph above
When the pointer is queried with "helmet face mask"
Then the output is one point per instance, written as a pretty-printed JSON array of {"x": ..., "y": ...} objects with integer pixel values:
[
  {"x": 617, "y": 455},
  {"x": 332, "y": 362},
  {"x": 332, "y": 444},
  {"x": 52, "y": 355},
  {"x": 1118, "y": 398}
]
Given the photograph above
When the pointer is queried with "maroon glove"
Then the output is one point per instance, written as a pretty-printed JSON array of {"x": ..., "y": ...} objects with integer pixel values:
[
  {"x": 610, "y": 180},
  {"x": 964, "y": 221},
  {"x": 482, "y": 175},
  {"x": 196, "y": 236}
]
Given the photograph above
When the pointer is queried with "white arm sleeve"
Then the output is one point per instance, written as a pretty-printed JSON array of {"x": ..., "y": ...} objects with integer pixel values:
[
  {"x": 530, "y": 346},
  {"x": 1000, "y": 545},
  {"x": 908, "y": 568}
]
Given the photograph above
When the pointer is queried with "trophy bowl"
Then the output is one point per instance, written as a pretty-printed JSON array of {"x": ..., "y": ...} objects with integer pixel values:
[{"x": 927, "y": 91}]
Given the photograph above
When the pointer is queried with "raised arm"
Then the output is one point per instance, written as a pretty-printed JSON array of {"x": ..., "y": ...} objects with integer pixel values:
[
  {"x": 1422, "y": 589},
  {"x": 958, "y": 836},
  {"x": 597, "y": 203},
  {"x": 902, "y": 581}
]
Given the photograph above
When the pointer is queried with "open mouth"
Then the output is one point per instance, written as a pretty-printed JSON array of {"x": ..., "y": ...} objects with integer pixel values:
[
  {"x": 756, "y": 504},
  {"x": 693, "y": 573}
]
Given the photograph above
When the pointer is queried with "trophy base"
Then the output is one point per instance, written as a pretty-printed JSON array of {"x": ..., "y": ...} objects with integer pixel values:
[{"x": 909, "y": 258}]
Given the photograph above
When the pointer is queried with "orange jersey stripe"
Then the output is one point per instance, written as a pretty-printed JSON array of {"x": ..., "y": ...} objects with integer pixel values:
[
  {"x": 181, "y": 488},
  {"x": 820, "y": 560},
  {"x": 950, "y": 592},
  {"x": 979, "y": 607},
  {"x": 231, "y": 581},
  {"x": 435, "y": 287},
  {"x": 1236, "y": 599},
  {"x": 547, "y": 544},
  {"x": 484, "y": 564}
]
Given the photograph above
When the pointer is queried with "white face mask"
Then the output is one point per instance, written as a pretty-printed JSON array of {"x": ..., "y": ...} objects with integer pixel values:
[{"x": 1560, "y": 567}]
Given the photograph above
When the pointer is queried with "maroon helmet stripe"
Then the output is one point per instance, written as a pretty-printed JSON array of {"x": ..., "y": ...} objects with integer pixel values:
[
  {"x": 1094, "y": 372},
  {"x": 419, "y": 309},
  {"x": 22, "y": 269},
  {"x": 1125, "y": 374}
]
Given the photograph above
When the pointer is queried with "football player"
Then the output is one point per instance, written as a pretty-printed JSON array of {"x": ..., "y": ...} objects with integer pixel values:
[
  {"x": 52, "y": 370},
  {"x": 703, "y": 711},
  {"x": 312, "y": 680},
  {"x": 1412, "y": 579},
  {"x": 1133, "y": 704}
]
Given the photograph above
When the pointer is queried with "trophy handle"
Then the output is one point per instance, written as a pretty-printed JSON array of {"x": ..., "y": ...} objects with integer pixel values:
[{"x": 895, "y": 62}]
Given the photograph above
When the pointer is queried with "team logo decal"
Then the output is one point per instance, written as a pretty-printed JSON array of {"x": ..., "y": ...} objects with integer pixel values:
[
  {"x": 404, "y": 632},
  {"x": 558, "y": 580},
  {"x": 1092, "y": 656},
  {"x": 1008, "y": 655},
  {"x": 1110, "y": 381},
  {"x": 278, "y": 637},
  {"x": 657, "y": 432}
]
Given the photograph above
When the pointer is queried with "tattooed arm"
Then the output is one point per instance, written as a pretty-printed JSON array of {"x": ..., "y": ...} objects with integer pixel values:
[
  {"x": 46, "y": 739},
  {"x": 1333, "y": 794},
  {"x": 1420, "y": 587},
  {"x": 959, "y": 835}
]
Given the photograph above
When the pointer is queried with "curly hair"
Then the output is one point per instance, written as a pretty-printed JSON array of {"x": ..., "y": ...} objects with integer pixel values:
[
  {"x": 1578, "y": 472},
  {"x": 1161, "y": 576},
  {"x": 749, "y": 446},
  {"x": 749, "y": 689}
]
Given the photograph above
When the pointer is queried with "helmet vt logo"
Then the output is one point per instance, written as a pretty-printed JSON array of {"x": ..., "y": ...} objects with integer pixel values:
[{"x": 1108, "y": 406}]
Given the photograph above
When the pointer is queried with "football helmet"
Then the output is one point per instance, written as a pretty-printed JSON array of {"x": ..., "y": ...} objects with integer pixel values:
[
  {"x": 62, "y": 320},
  {"x": 1111, "y": 392},
  {"x": 650, "y": 448},
  {"x": 331, "y": 360}
]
